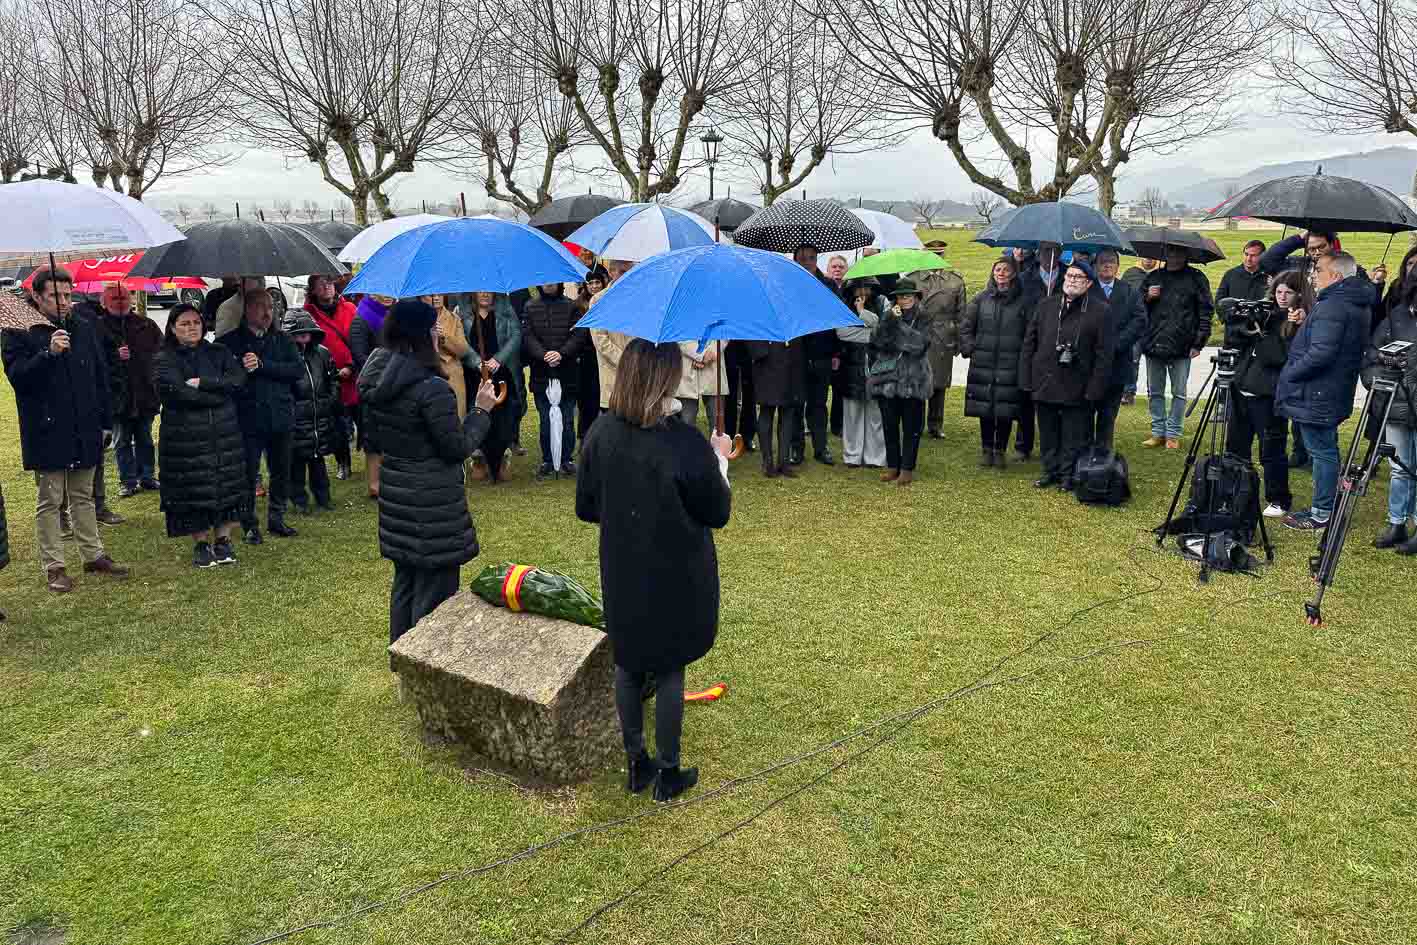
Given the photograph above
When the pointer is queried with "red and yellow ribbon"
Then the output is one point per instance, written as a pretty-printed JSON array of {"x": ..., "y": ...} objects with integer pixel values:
[
  {"x": 711, "y": 694},
  {"x": 512, "y": 585}
]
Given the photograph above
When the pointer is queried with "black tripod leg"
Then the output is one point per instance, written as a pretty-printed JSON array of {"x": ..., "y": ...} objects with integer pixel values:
[
  {"x": 1164, "y": 528},
  {"x": 1264, "y": 539}
]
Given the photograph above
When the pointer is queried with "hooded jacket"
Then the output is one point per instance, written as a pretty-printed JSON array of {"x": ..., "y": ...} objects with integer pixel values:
[
  {"x": 316, "y": 392},
  {"x": 1319, "y": 380},
  {"x": 423, "y": 516}
]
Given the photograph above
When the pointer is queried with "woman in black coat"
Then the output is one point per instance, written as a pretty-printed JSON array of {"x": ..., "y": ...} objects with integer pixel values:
[
  {"x": 657, "y": 489},
  {"x": 425, "y": 528},
  {"x": 779, "y": 383},
  {"x": 201, "y": 454},
  {"x": 991, "y": 337},
  {"x": 316, "y": 412},
  {"x": 1401, "y": 431}
]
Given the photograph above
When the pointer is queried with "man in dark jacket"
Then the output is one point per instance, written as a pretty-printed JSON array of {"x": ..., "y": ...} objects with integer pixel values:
[
  {"x": 1066, "y": 363},
  {"x": 1126, "y": 325},
  {"x": 1317, "y": 384},
  {"x": 822, "y": 351},
  {"x": 1246, "y": 281},
  {"x": 57, "y": 368},
  {"x": 265, "y": 406},
  {"x": 135, "y": 340},
  {"x": 552, "y": 345},
  {"x": 1179, "y": 307}
]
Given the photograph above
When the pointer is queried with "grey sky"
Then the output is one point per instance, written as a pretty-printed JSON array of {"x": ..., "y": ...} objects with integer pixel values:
[{"x": 922, "y": 166}]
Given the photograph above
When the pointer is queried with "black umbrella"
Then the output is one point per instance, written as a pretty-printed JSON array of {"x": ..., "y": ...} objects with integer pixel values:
[
  {"x": 240, "y": 247},
  {"x": 1151, "y": 242},
  {"x": 1321, "y": 202},
  {"x": 788, "y": 224},
  {"x": 728, "y": 213},
  {"x": 563, "y": 216},
  {"x": 332, "y": 233}
]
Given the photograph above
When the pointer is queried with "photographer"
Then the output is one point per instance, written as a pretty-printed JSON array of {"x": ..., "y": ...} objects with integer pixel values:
[
  {"x": 1401, "y": 431},
  {"x": 1263, "y": 346}
]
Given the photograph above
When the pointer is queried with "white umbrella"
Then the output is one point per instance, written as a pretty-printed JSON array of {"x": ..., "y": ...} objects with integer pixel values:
[
  {"x": 553, "y": 421},
  {"x": 891, "y": 231},
  {"x": 637, "y": 231},
  {"x": 50, "y": 216},
  {"x": 367, "y": 243}
]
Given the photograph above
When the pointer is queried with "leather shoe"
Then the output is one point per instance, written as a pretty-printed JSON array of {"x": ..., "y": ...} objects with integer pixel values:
[
  {"x": 1392, "y": 537},
  {"x": 1045, "y": 482},
  {"x": 1408, "y": 547},
  {"x": 825, "y": 458},
  {"x": 787, "y": 472},
  {"x": 986, "y": 459},
  {"x": 1065, "y": 484},
  {"x": 890, "y": 475},
  {"x": 58, "y": 581},
  {"x": 253, "y": 536},
  {"x": 281, "y": 530},
  {"x": 103, "y": 564}
]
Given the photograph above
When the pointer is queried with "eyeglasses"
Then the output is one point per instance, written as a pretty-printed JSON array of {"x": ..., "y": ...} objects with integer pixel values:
[{"x": 1074, "y": 277}]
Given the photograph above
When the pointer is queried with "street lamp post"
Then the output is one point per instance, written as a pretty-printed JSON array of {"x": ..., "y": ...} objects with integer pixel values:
[{"x": 711, "y": 140}]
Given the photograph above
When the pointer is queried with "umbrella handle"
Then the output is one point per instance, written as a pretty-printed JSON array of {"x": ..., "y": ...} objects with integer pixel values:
[
  {"x": 738, "y": 447},
  {"x": 501, "y": 387},
  {"x": 719, "y": 367}
]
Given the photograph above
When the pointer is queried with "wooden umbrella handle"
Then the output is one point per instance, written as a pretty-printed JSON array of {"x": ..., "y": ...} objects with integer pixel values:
[
  {"x": 501, "y": 386},
  {"x": 719, "y": 366}
]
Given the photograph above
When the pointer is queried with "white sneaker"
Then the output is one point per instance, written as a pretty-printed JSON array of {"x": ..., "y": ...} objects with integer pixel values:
[{"x": 1274, "y": 511}]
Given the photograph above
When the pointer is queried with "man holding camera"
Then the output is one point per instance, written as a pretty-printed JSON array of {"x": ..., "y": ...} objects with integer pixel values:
[
  {"x": 1179, "y": 308},
  {"x": 60, "y": 375},
  {"x": 1065, "y": 364},
  {"x": 1257, "y": 331},
  {"x": 1317, "y": 384}
]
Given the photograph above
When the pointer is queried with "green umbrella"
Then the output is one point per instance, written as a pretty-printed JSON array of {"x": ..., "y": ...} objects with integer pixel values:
[{"x": 894, "y": 262}]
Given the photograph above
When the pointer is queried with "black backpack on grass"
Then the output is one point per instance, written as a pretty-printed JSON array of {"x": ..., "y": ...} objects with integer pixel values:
[
  {"x": 1101, "y": 478},
  {"x": 1225, "y": 497}
]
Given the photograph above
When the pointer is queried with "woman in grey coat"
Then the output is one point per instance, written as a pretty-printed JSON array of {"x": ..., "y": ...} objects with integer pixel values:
[
  {"x": 863, "y": 437},
  {"x": 900, "y": 380}
]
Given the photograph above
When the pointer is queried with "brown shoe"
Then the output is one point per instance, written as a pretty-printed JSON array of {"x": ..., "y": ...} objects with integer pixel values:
[
  {"x": 787, "y": 472},
  {"x": 106, "y": 565},
  {"x": 1173, "y": 444},
  {"x": 906, "y": 478},
  {"x": 1152, "y": 442},
  {"x": 58, "y": 581},
  {"x": 890, "y": 475}
]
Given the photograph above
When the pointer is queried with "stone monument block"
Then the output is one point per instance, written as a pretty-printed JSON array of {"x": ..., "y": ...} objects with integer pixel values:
[{"x": 529, "y": 693}]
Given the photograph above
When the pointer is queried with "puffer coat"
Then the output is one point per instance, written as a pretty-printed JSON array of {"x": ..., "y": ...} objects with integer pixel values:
[
  {"x": 900, "y": 364},
  {"x": 991, "y": 337},
  {"x": 423, "y": 517},
  {"x": 1400, "y": 325},
  {"x": 200, "y": 452},
  {"x": 317, "y": 391}
]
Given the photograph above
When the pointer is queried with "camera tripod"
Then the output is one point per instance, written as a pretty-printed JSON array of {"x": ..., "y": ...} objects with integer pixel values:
[
  {"x": 1214, "y": 417},
  {"x": 1354, "y": 481}
]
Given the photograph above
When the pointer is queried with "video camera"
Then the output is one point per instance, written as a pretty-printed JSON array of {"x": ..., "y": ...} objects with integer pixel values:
[{"x": 1245, "y": 313}]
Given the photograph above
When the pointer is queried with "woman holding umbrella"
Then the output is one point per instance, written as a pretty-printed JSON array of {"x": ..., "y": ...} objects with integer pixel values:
[
  {"x": 900, "y": 380},
  {"x": 657, "y": 490}
]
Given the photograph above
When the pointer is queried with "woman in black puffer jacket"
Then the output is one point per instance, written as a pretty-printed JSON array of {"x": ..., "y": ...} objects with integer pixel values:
[
  {"x": 200, "y": 453},
  {"x": 991, "y": 337},
  {"x": 316, "y": 408},
  {"x": 424, "y": 525},
  {"x": 1399, "y": 325}
]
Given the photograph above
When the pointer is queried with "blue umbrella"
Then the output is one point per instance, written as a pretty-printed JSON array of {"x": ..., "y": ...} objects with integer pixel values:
[
  {"x": 718, "y": 293},
  {"x": 1070, "y": 225},
  {"x": 636, "y": 231},
  {"x": 465, "y": 255}
]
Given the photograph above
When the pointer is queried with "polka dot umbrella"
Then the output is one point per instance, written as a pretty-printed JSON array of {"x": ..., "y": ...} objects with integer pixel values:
[{"x": 788, "y": 224}]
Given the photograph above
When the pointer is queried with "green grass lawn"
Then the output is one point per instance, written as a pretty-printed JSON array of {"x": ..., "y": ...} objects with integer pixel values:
[{"x": 217, "y": 756}]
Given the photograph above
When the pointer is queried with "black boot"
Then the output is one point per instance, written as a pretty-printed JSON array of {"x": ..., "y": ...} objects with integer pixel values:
[
  {"x": 986, "y": 459},
  {"x": 1408, "y": 547},
  {"x": 674, "y": 781},
  {"x": 769, "y": 464},
  {"x": 1001, "y": 459},
  {"x": 1394, "y": 536},
  {"x": 279, "y": 528},
  {"x": 640, "y": 772}
]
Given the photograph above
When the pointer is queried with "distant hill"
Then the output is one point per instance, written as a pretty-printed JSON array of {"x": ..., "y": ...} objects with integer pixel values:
[
  {"x": 1388, "y": 167},
  {"x": 950, "y": 210}
]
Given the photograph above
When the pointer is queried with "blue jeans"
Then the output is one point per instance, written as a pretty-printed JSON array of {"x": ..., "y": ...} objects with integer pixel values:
[
  {"x": 568, "y": 423},
  {"x": 1401, "y": 494},
  {"x": 133, "y": 448},
  {"x": 1322, "y": 444},
  {"x": 1158, "y": 372}
]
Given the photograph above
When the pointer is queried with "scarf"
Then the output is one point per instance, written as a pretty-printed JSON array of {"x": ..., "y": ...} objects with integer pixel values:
[
  {"x": 372, "y": 312},
  {"x": 330, "y": 311}
]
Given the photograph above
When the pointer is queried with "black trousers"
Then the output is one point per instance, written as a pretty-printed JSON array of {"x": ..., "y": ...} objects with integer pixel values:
[
  {"x": 276, "y": 448},
  {"x": 319, "y": 477},
  {"x": 1104, "y": 417},
  {"x": 416, "y": 593},
  {"x": 668, "y": 712},
  {"x": 786, "y": 421},
  {"x": 740, "y": 412},
  {"x": 1254, "y": 416},
  {"x": 587, "y": 395},
  {"x": 994, "y": 433},
  {"x": 935, "y": 410},
  {"x": 1023, "y": 432},
  {"x": 837, "y": 414},
  {"x": 344, "y": 432},
  {"x": 814, "y": 411},
  {"x": 904, "y": 420},
  {"x": 1063, "y": 431}
]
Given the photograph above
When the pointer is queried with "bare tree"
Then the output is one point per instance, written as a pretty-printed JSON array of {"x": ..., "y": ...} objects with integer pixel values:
[
  {"x": 926, "y": 210},
  {"x": 184, "y": 211},
  {"x": 17, "y": 81},
  {"x": 985, "y": 204},
  {"x": 141, "y": 79},
  {"x": 801, "y": 99},
  {"x": 361, "y": 88},
  {"x": 284, "y": 208},
  {"x": 210, "y": 210},
  {"x": 1230, "y": 189},
  {"x": 679, "y": 55},
  {"x": 310, "y": 209},
  {"x": 343, "y": 209},
  {"x": 1152, "y": 201}
]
